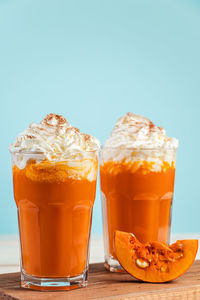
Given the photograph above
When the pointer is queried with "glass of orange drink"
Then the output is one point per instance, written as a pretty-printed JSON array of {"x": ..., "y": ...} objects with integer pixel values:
[
  {"x": 137, "y": 183},
  {"x": 54, "y": 194}
]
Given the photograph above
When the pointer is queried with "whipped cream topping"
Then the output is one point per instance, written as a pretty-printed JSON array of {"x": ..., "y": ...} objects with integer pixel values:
[
  {"x": 137, "y": 132},
  {"x": 54, "y": 139},
  {"x": 134, "y": 131}
]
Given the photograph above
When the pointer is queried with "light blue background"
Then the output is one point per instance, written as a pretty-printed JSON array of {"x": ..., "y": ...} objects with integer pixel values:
[{"x": 93, "y": 61}]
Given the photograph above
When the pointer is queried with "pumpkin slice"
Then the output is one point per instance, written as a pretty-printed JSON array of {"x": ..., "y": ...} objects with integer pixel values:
[{"x": 154, "y": 261}]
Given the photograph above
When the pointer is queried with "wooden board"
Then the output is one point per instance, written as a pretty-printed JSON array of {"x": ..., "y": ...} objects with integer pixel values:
[{"x": 105, "y": 285}]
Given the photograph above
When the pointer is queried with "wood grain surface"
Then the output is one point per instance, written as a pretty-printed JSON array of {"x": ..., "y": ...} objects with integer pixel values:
[{"x": 105, "y": 285}]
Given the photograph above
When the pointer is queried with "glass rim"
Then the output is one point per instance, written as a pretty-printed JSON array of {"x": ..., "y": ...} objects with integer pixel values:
[
  {"x": 137, "y": 149},
  {"x": 42, "y": 153}
]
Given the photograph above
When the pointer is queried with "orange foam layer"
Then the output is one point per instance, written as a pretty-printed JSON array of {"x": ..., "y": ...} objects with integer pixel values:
[
  {"x": 142, "y": 167},
  {"x": 58, "y": 171}
]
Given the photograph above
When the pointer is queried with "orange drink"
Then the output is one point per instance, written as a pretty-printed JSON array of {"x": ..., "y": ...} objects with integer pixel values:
[
  {"x": 137, "y": 188},
  {"x": 54, "y": 200}
]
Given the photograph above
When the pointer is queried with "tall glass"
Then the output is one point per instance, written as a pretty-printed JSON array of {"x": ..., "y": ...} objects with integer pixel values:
[
  {"x": 137, "y": 188},
  {"x": 54, "y": 203}
]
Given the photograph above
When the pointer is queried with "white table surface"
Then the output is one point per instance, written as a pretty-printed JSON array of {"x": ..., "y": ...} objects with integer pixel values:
[{"x": 9, "y": 250}]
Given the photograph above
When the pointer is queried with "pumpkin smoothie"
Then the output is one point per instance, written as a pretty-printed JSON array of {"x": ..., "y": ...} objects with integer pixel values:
[
  {"x": 54, "y": 179},
  {"x": 137, "y": 172}
]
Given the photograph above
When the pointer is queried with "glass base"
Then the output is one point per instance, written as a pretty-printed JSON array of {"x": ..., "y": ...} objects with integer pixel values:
[
  {"x": 113, "y": 265},
  {"x": 53, "y": 284}
]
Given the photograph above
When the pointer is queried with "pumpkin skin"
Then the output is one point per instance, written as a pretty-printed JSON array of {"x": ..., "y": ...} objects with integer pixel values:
[{"x": 154, "y": 261}]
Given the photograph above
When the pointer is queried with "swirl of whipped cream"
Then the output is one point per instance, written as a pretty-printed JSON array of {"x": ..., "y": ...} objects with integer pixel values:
[
  {"x": 137, "y": 132},
  {"x": 134, "y": 131},
  {"x": 55, "y": 139}
]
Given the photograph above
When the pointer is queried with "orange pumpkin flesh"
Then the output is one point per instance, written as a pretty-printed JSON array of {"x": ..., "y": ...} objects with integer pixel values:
[{"x": 155, "y": 261}]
